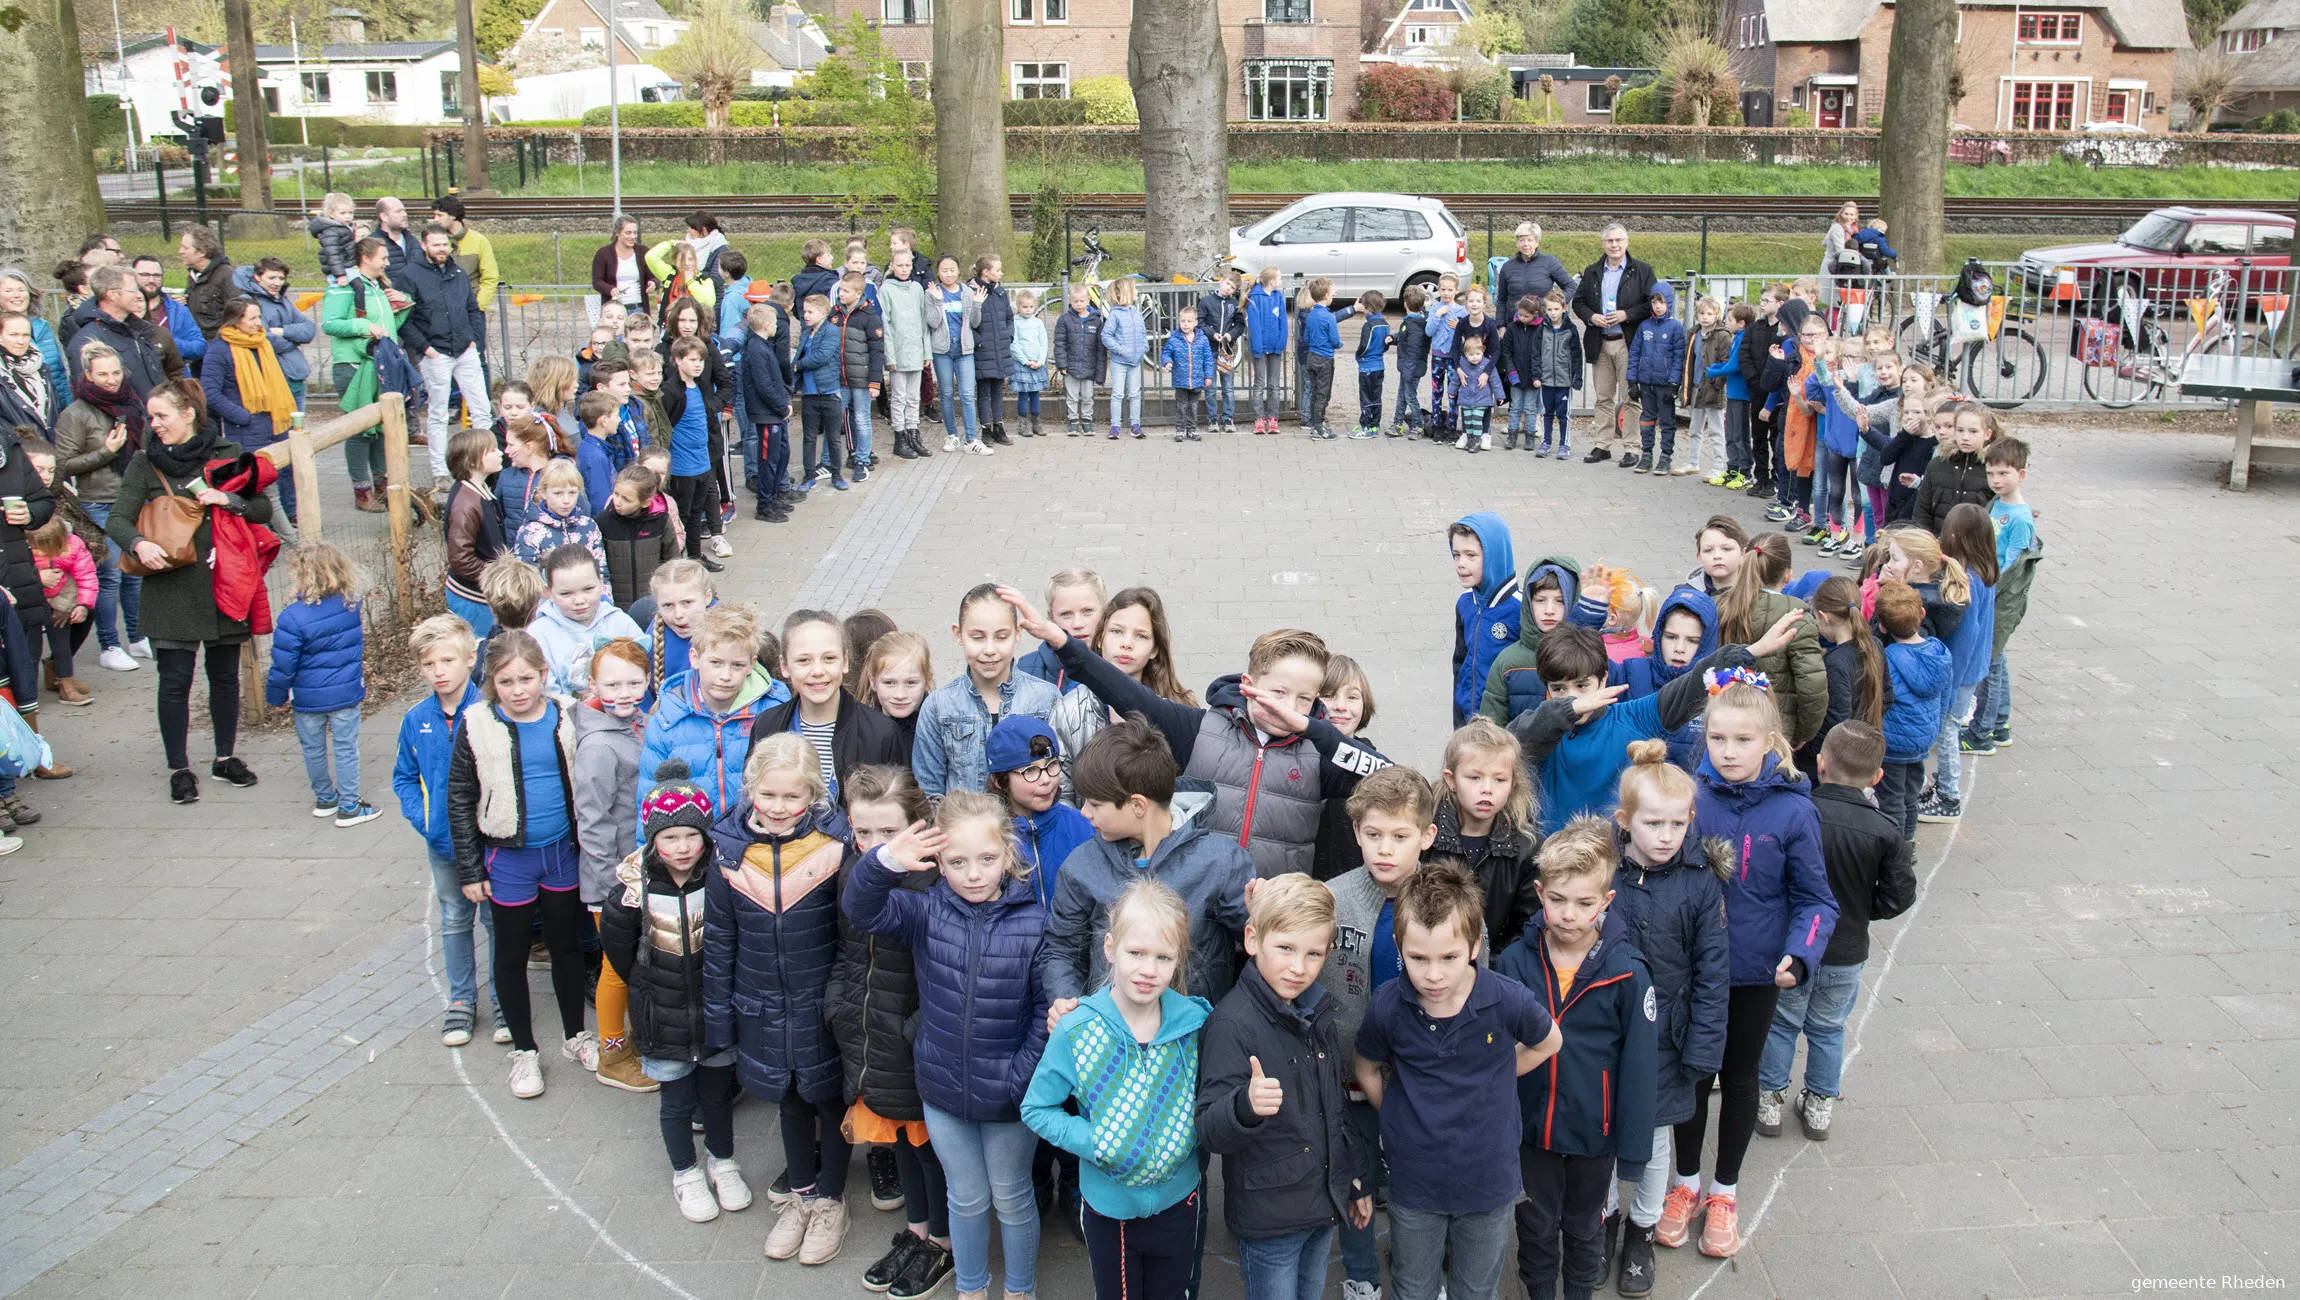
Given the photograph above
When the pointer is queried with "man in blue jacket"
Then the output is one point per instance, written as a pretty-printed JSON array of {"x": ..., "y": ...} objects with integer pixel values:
[
  {"x": 441, "y": 333},
  {"x": 172, "y": 315},
  {"x": 1485, "y": 620}
]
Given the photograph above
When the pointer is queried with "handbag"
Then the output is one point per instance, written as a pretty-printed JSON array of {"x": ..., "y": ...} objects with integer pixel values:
[{"x": 170, "y": 522}]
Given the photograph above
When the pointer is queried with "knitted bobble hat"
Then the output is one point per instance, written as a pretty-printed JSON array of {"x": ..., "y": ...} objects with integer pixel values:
[{"x": 675, "y": 801}]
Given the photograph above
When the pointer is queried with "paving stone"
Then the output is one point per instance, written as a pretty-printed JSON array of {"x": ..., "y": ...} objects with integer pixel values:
[
  {"x": 2066, "y": 1258},
  {"x": 1957, "y": 1262}
]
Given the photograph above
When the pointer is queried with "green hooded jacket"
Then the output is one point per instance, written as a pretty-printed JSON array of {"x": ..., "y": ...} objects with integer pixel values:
[{"x": 1518, "y": 659}]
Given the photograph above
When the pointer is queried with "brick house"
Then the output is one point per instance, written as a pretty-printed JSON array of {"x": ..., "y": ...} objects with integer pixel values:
[
  {"x": 1583, "y": 96},
  {"x": 2264, "y": 39},
  {"x": 2027, "y": 68},
  {"x": 643, "y": 29},
  {"x": 1290, "y": 60}
]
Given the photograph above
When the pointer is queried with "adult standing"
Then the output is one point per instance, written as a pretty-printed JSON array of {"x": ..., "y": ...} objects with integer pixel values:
[
  {"x": 993, "y": 347},
  {"x": 288, "y": 329},
  {"x": 18, "y": 295},
  {"x": 95, "y": 438},
  {"x": 115, "y": 326},
  {"x": 26, "y": 397},
  {"x": 391, "y": 227},
  {"x": 207, "y": 280},
  {"x": 619, "y": 271},
  {"x": 24, "y": 625},
  {"x": 441, "y": 334},
  {"x": 1530, "y": 274},
  {"x": 148, "y": 312},
  {"x": 709, "y": 242},
  {"x": 355, "y": 315},
  {"x": 180, "y": 609},
  {"x": 1611, "y": 301},
  {"x": 1841, "y": 259},
  {"x": 471, "y": 247},
  {"x": 168, "y": 314},
  {"x": 248, "y": 395}
]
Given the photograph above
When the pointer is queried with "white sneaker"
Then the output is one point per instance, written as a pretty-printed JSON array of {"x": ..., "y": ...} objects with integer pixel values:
[
  {"x": 1355, "y": 1290},
  {"x": 9, "y": 844},
  {"x": 501, "y": 1036},
  {"x": 1461, "y": 443},
  {"x": 118, "y": 660},
  {"x": 720, "y": 547},
  {"x": 526, "y": 1074},
  {"x": 583, "y": 1049},
  {"x": 727, "y": 1181},
  {"x": 693, "y": 1192},
  {"x": 950, "y": 442},
  {"x": 979, "y": 449},
  {"x": 1485, "y": 442},
  {"x": 141, "y": 647}
]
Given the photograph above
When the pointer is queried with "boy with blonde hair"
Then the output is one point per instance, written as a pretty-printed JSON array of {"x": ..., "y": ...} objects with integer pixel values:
[{"x": 445, "y": 652}]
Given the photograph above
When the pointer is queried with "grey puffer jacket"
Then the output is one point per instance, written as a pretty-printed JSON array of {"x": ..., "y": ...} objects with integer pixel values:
[
  {"x": 1078, "y": 717},
  {"x": 914, "y": 334},
  {"x": 606, "y": 781}
]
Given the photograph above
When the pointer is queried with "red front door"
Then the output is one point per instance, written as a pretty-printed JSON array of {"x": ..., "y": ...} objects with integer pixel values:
[{"x": 1832, "y": 113}]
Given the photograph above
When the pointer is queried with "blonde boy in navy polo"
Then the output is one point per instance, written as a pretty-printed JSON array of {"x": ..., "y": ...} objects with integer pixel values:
[{"x": 1439, "y": 1054}]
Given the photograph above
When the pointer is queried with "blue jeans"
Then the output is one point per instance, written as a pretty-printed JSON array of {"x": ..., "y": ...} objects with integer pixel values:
[
  {"x": 1222, "y": 396},
  {"x": 1408, "y": 413},
  {"x": 858, "y": 425},
  {"x": 1126, "y": 392},
  {"x": 987, "y": 1165},
  {"x": 1818, "y": 1009},
  {"x": 1992, "y": 708},
  {"x": 458, "y": 949},
  {"x": 1463, "y": 1252},
  {"x": 1657, "y": 411},
  {"x": 954, "y": 381},
  {"x": 115, "y": 591},
  {"x": 1832, "y": 474},
  {"x": 1292, "y": 1267},
  {"x": 1524, "y": 408},
  {"x": 1948, "y": 763},
  {"x": 320, "y": 733}
]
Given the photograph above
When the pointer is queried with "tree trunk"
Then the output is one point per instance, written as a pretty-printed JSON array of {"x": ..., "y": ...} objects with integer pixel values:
[
  {"x": 248, "y": 108},
  {"x": 971, "y": 213},
  {"x": 1913, "y": 174},
  {"x": 475, "y": 177},
  {"x": 715, "y": 117},
  {"x": 1175, "y": 59},
  {"x": 44, "y": 146}
]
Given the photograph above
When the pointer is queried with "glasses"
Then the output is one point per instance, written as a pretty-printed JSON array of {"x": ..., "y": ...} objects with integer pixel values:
[{"x": 1042, "y": 769}]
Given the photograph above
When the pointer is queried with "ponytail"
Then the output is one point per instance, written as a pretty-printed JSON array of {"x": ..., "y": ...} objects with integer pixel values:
[
  {"x": 1766, "y": 565},
  {"x": 1840, "y": 597}
]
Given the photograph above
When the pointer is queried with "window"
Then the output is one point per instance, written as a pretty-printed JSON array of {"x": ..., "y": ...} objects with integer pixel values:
[
  {"x": 2047, "y": 105},
  {"x": 316, "y": 89},
  {"x": 1764, "y": 34},
  {"x": 1600, "y": 97},
  {"x": 909, "y": 11},
  {"x": 272, "y": 100},
  {"x": 1324, "y": 226},
  {"x": 2248, "y": 40},
  {"x": 1289, "y": 90},
  {"x": 917, "y": 76},
  {"x": 1018, "y": 11},
  {"x": 553, "y": 32},
  {"x": 1042, "y": 81},
  {"x": 382, "y": 87},
  {"x": 2272, "y": 241},
  {"x": 2065, "y": 28},
  {"x": 2215, "y": 239},
  {"x": 451, "y": 94},
  {"x": 1378, "y": 225},
  {"x": 593, "y": 38},
  {"x": 1057, "y": 11},
  {"x": 1419, "y": 35},
  {"x": 651, "y": 36},
  {"x": 1285, "y": 11}
]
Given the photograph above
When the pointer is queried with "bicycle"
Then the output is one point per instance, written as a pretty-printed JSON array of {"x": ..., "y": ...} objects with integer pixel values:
[
  {"x": 2135, "y": 363},
  {"x": 1091, "y": 262},
  {"x": 2003, "y": 368}
]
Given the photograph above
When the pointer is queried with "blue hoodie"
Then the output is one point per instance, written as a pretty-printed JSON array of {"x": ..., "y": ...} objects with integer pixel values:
[
  {"x": 1918, "y": 682},
  {"x": 1047, "y": 840},
  {"x": 1969, "y": 645},
  {"x": 1485, "y": 619},
  {"x": 1657, "y": 354},
  {"x": 1729, "y": 370},
  {"x": 1135, "y": 1132},
  {"x": 1648, "y": 675},
  {"x": 1266, "y": 321},
  {"x": 1777, "y": 901}
]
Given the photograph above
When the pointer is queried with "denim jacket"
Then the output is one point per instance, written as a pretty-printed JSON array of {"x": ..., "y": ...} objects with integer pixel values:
[{"x": 950, "y": 751}]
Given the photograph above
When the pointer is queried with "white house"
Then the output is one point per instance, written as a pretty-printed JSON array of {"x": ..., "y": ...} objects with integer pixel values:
[
  {"x": 147, "y": 81},
  {"x": 404, "y": 83},
  {"x": 1422, "y": 34}
]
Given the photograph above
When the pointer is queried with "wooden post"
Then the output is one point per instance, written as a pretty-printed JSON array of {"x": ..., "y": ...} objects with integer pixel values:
[
  {"x": 306, "y": 471},
  {"x": 395, "y": 464}
]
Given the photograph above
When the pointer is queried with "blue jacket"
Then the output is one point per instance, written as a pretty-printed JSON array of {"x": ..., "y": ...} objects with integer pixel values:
[
  {"x": 818, "y": 363},
  {"x": 1321, "y": 337},
  {"x": 1481, "y": 383},
  {"x": 1223, "y": 317},
  {"x": 1970, "y": 644},
  {"x": 1266, "y": 313},
  {"x": 1595, "y": 1096},
  {"x": 446, "y": 315},
  {"x": 1124, "y": 337},
  {"x": 1777, "y": 903},
  {"x": 1675, "y": 914},
  {"x": 59, "y": 378},
  {"x": 1373, "y": 340},
  {"x": 734, "y": 302},
  {"x": 191, "y": 345},
  {"x": 1874, "y": 247},
  {"x": 419, "y": 777},
  {"x": 1485, "y": 619},
  {"x": 1840, "y": 432},
  {"x": 950, "y": 750},
  {"x": 598, "y": 465},
  {"x": 770, "y": 937},
  {"x": 1207, "y": 869},
  {"x": 993, "y": 332},
  {"x": 1918, "y": 682},
  {"x": 765, "y": 388},
  {"x": 220, "y": 382},
  {"x": 1657, "y": 353},
  {"x": 811, "y": 279},
  {"x": 316, "y": 654},
  {"x": 295, "y": 329},
  {"x": 711, "y": 744},
  {"x": 1736, "y": 383},
  {"x": 1648, "y": 675},
  {"x": 1046, "y": 666},
  {"x": 981, "y": 1013},
  {"x": 1413, "y": 345},
  {"x": 1047, "y": 839},
  {"x": 1189, "y": 360},
  {"x": 1526, "y": 691},
  {"x": 1140, "y": 1091}
]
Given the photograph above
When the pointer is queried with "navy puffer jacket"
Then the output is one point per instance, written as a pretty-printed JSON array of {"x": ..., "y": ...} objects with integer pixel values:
[
  {"x": 1675, "y": 915},
  {"x": 770, "y": 936},
  {"x": 994, "y": 334},
  {"x": 982, "y": 1013}
]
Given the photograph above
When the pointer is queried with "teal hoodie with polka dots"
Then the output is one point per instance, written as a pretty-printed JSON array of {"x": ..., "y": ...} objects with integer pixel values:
[{"x": 1135, "y": 1133}]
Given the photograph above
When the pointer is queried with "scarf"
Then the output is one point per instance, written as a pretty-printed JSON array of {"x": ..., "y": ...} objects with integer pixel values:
[
  {"x": 263, "y": 387},
  {"x": 120, "y": 407},
  {"x": 28, "y": 375},
  {"x": 186, "y": 458}
]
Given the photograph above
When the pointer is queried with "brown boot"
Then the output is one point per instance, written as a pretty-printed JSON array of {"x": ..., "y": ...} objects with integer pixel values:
[
  {"x": 71, "y": 690},
  {"x": 367, "y": 500},
  {"x": 56, "y": 770},
  {"x": 619, "y": 1068}
]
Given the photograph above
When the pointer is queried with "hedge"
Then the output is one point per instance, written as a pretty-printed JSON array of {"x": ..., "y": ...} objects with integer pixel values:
[
  {"x": 812, "y": 112},
  {"x": 1392, "y": 92}
]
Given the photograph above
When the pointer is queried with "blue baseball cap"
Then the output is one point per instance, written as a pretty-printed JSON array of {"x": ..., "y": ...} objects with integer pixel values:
[{"x": 1013, "y": 740}]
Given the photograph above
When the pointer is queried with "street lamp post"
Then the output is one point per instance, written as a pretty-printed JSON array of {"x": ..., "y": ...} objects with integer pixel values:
[{"x": 614, "y": 108}]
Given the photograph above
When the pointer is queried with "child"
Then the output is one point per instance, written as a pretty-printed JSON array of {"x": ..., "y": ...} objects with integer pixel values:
[
  {"x": 318, "y": 652},
  {"x": 815, "y": 275},
  {"x": 1557, "y": 366},
  {"x": 1793, "y": 467},
  {"x": 1188, "y": 361},
  {"x": 1920, "y": 678},
  {"x": 608, "y": 788},
  {"x": 1478, "y": 323},
  {"x": 1272, "y": 1089},
  {"x": 562, "y": 520},
  {"x": 1485, "y": 819},
  {"x": 1320, "y": 339},
  {"x": 1914, "y": 556},
  {"x": 1778, "y": 917},
  {"x": 514, "y": 590},
  {"x": 1880, "y": 398},
  {"x": 1124, "y": 342},
  {"x": 1733, "y": 473},
  {"x": 820, "y": 347},
  {"x": 1373, "y": 341},
  {"x": 649, "y": 924},
  {"x": 474, "y": 523},
  {"x": 1656, "y": 364},
  {"x": 575, "y": 620},
  {"x": 1669, "y": 894},
  {"x": 2018, "y": 551},
  {"x": 518, "y": 486},
  {"x": 1444, "y": 318},
  {"x": 1750, "y": 598},
  {"x": 1347, "y": 695},
  {"x": 1630, "y": 611},
  {"x": 1684, "y": 633},
  {"x": 2009, "y": 514},
  {"x": 1487, "y": 614},
  {"x": 982, "y": 1022},
  {"x": 693, "y": 412},
  {"x": 704, "y": 715},
  {"x": 1478, "y": 389},
  {"x": 1871, "y": 241},
  {"x": 1520, "y": 351},
  {"x": 1267, "y": 314},
  {"x": 770, "y": 933},
  {"x": 1551, "y": 592},
  {"x": 993, "y": 345},
  {"x": 1836, "y": 443},
  {"x": 638, "y": 538},
  {"x": 68, "y": 580},
  {"x": 862, "y": 367},
  {"x": 1026, "y": 770},
  {"x": 960, "y": 307},
  {"x": 1128, "y": 1057},
  {"x": 1412, "y": 341},
  {"x": 1145, "y": 829},
  {"x": 845, "y": 732},
  {"x": 1134, "y": 637},
  {"x": 1439, "y": 1051},
  {"x": 1222, "y": 315},
  {"x": 910, "y": 333},
  {"x": 875, "y": 999},
  {"x": 1080, "y": 359},
  {"x": 862, "y": 630},
  {"x": 947, "y": 753},
  {"x": 42, "y": 456},
  {"x": 444, "y": 651},
  {"x": 897, "y": 675},
  {"x": 510, "y": 808},
  {"x": 1030, "y": 348},
  {"x": 767, "y": 408},
  {"x": 1589, "y": 1110},
  {"x": 331, "y": 230},
  {"x": 1967, "y": 542},
  {"x": 1074, "y": 600},
  {"x": 1708, "y": 359},
  {"x": 1960, "y": 476},
  {"x": 1267, "y": 708},
  {"x": 681, "y": 590},
  {"x": 1855, "y": 665},
  {"x": 1870, "y": 876}
]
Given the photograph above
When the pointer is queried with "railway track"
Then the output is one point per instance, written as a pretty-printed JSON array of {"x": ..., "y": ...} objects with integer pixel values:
[{"x": 801, "y": 207}]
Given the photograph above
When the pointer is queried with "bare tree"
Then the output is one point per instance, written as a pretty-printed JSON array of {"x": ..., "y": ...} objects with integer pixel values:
[
  {"x": 1913, "y": 174},
  {"x": 971, "y": 213},
  {"x": 1175, "y": 59},
  {"x": 248, "y": 108},
  {"x": 44, "y": 146},
  {"x": 715, "y": 55},
  {"x": 2205, "y": 80}
]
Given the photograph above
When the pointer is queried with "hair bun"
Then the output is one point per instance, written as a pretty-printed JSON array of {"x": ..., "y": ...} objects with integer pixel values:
[
  {"x": 1644, "y": 753},
  {"x": 671, "y": 769}
]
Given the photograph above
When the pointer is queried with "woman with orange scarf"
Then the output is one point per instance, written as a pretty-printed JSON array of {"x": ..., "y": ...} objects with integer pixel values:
[{"x": 249, "y": 395}]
